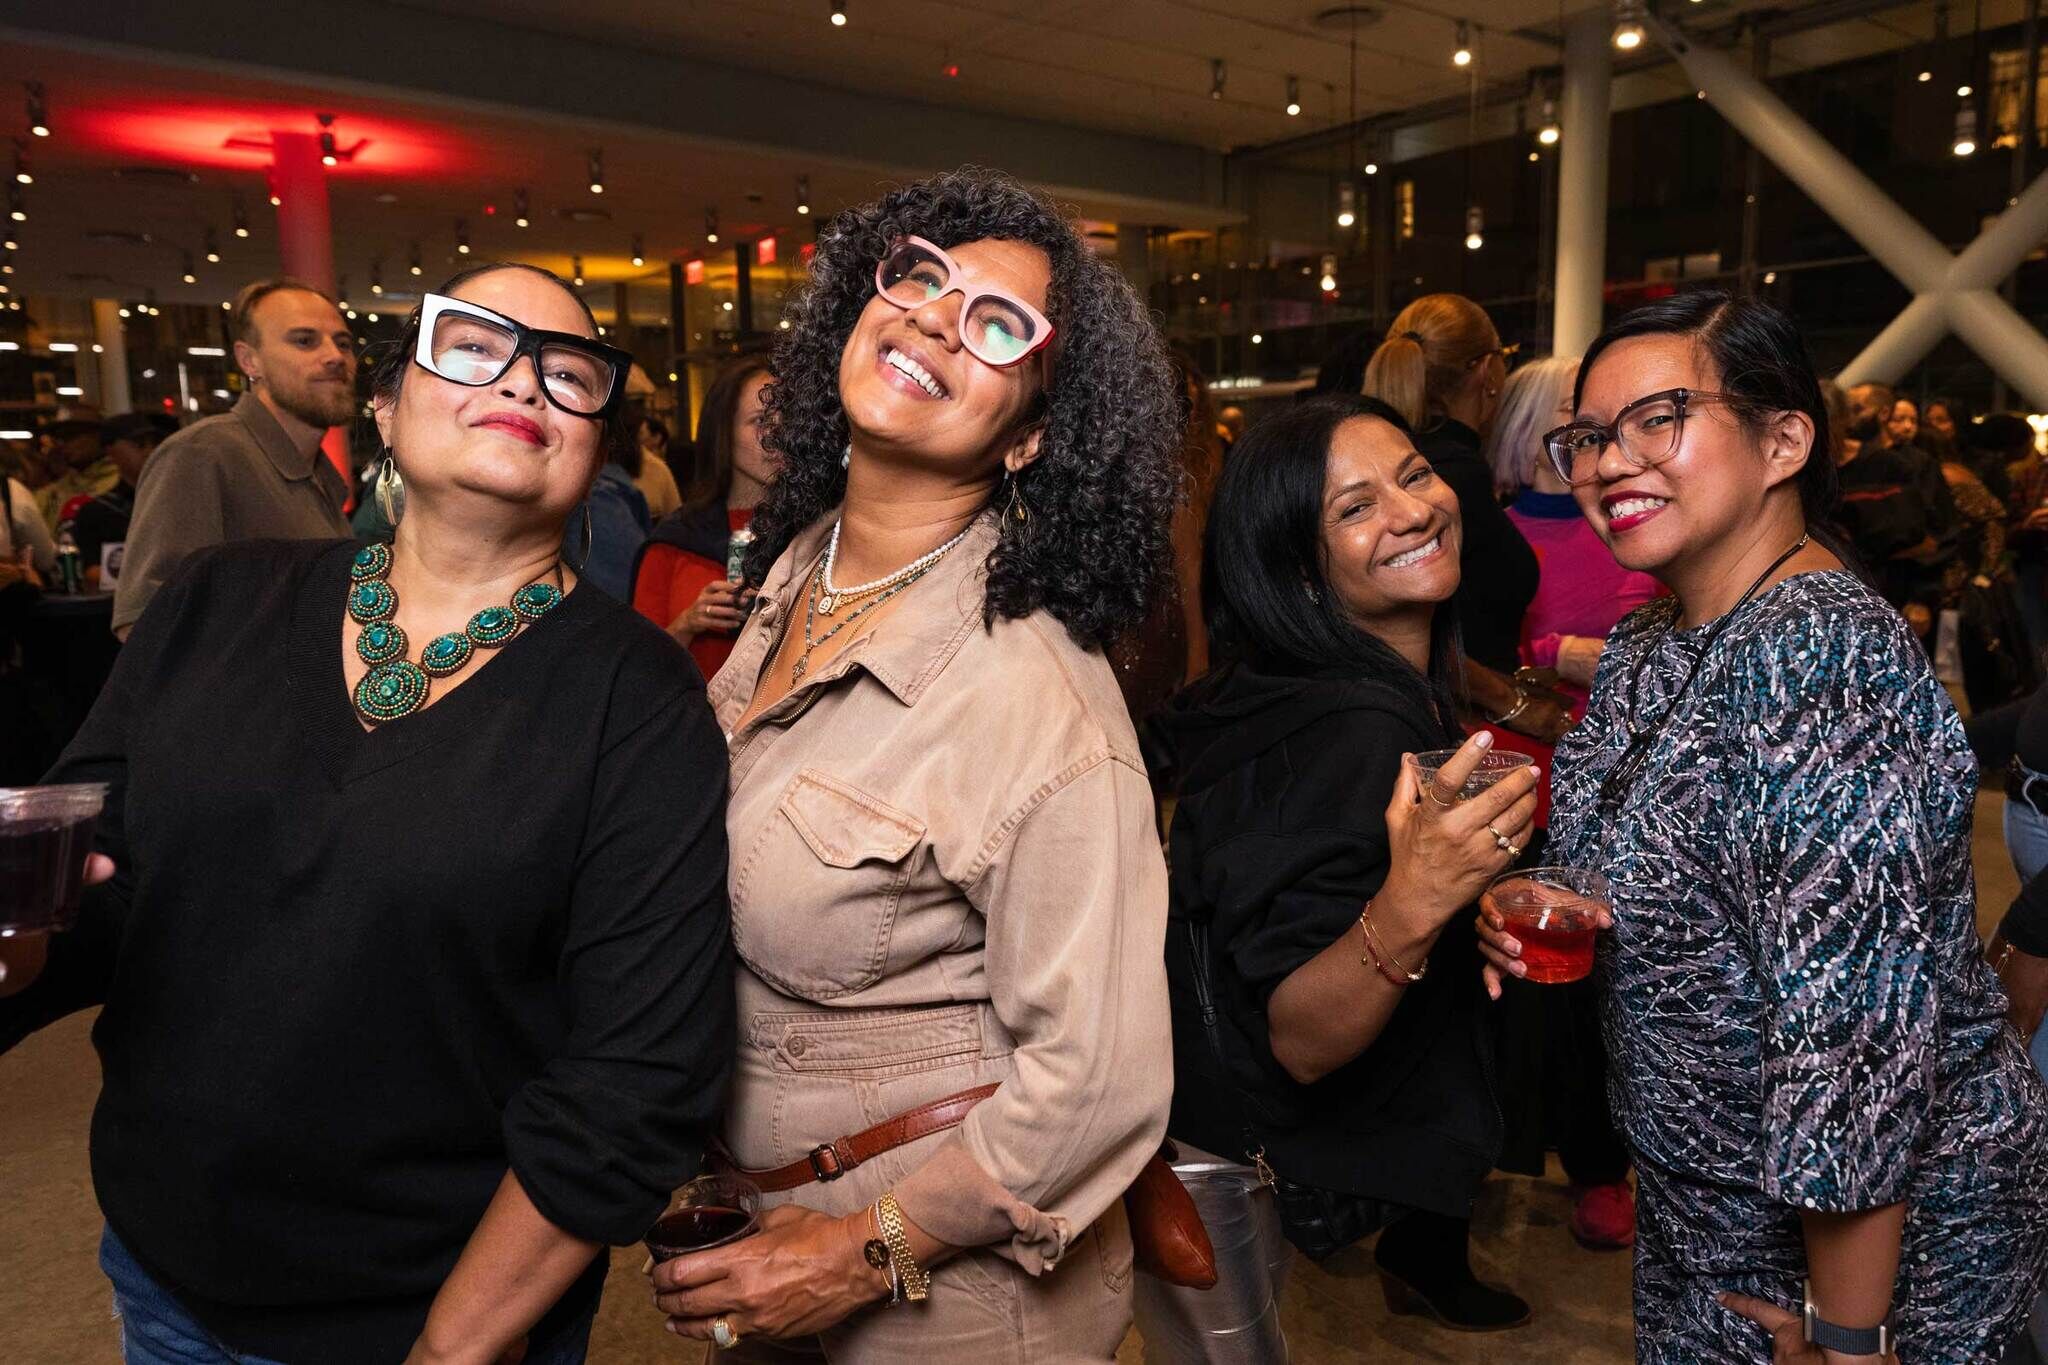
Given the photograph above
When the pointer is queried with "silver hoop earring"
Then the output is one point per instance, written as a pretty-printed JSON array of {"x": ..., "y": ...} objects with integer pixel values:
[
  {"x": 586, "y": 537},
  {"x": 846, "y": 456},
  {"x": 389, "y": 490}
]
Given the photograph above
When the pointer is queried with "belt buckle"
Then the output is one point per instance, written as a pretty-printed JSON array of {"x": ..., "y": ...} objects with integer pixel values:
[{"x": 825, "y": 1166}]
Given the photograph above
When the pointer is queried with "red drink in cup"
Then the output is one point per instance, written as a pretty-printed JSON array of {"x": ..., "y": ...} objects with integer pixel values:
[
  {"x": 1554, "y": 912},
  {"x": 45, "y": 833},
  {"x": 708, "y": 1212}
]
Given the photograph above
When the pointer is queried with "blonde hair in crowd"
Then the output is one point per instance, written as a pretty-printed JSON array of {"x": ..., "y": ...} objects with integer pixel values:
[
  {"x": 1428, "y": 351},
  {"x": 1528, "y": 408}
]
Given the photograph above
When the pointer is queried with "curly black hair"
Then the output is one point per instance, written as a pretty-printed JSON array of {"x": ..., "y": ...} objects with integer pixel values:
[{"x": 1096, "y": 548}]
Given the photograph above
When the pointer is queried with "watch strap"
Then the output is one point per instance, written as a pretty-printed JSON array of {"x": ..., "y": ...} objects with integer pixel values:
[{"x": 1855, "y": 1341}]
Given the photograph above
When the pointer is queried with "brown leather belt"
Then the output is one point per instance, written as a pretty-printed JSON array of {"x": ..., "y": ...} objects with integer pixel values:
[{"x": 830, "y": 1160}]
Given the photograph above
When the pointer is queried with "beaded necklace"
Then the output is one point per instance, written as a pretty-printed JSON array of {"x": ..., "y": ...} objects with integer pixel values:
[
  {"x": 829, "y": 598},
  {"x": 395, "y": 686}
]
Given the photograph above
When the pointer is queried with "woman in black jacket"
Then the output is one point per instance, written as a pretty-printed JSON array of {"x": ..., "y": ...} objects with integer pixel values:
[{"x": 1326, "y": 1024}]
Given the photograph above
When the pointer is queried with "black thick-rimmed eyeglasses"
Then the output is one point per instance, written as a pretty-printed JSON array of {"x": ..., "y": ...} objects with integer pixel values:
[
  {"x": 1645, "y": 431},
  {"x": 473, "y": 346}
]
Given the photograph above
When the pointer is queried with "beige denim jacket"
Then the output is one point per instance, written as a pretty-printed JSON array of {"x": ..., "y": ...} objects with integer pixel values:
[{"x": 945, "y": 872}]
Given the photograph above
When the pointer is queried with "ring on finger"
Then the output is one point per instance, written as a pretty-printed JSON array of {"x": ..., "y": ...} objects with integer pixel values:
[
  {"x": 1501, "y": 841},
  {"x": 1431, "y": 788},
  {"x": 723, "y": 1335}
]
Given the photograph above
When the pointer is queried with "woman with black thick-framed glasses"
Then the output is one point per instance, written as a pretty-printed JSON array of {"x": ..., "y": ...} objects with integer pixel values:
[
  {"x": 1838, "y": 1141},
  {"x": 416, "y": 966}
]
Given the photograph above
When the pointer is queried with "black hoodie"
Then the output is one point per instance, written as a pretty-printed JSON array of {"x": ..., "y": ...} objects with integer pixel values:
[{"x": 1278, "y": 839}]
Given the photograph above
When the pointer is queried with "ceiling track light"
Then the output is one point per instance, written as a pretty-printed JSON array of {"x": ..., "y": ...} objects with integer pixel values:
[
  {"x": 1547, "y": 132},
  {"x": 413, "y": 266},
  {"x": 1347, "y": 204},
  {"x": 1475, "y": 228},
  {"x": 1628, "y": 24},
  {"x": 1328, "y": 282},
  {"x": 212, "y": 248},
  {"x": 839, "y": 13},
  {"x": 639, "y": 251},
  {"x": 189, "y": 276},
  {"x": 17, "y": 207},
  {"x": 1293, "y": 96},
  {"x": 521, "y": 214},
  {"x": 462, "y": 236},
  {"x": 1217, "y": 74},
  {"x": 711, "y": 226},
  {"x": 1965, "y": 143},
  {"x": 9, "y": 240},
  {"x": 803, "y": 195},
  {"x": 576, "y": 270},
  {"x": 596, "y": 170},
  {"x": 21, "y": 175},
  {"x": 328, "y": 156},
  {"x": 377, "y": 277},
  {"x": 1462, "y": 54},
  {"x": 241, "y": 217},
  {"x": 38, "y": 109}
]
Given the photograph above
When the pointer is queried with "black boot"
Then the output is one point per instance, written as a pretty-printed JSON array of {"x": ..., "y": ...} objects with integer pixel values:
[{"x": 1424, "y": 1271}]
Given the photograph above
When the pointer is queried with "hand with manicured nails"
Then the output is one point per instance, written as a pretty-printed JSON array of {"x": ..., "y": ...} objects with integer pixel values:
[{"x": 1443, "y": 851}]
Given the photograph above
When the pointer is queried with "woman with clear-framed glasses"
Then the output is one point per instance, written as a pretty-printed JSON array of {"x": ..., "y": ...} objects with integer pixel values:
[
  {"x": 1838, "y": 1140},
  {"x": 949, "y": 899},
  {"x": 415, "y": 960}
]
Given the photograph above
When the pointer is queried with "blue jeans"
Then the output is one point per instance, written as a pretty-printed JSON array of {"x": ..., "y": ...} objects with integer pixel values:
[{"x": 156, "y": 1329}]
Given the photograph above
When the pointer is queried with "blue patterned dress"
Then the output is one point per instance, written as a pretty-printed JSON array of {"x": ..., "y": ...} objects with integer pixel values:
[{"x": 1795, "y": 999}]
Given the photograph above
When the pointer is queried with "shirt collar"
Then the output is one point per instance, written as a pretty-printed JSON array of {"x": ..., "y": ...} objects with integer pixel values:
[
  {"x": 254, "y": 414},
  {"x": 921, "y": 634}
]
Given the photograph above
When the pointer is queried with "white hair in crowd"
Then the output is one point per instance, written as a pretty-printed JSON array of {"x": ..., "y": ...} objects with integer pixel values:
[{"x": 1528, "y": 408}]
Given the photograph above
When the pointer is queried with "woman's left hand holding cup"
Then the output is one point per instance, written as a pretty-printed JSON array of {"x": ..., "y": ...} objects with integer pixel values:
[{"x": 802, "y": 1272}]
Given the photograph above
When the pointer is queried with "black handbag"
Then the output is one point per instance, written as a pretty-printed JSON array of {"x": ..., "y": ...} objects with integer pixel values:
[{"x": 1318, "y": 1222}]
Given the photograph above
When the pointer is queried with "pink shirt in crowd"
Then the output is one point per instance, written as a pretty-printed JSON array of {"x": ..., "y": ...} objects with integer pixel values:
[{"x": 1580, "y": 590}]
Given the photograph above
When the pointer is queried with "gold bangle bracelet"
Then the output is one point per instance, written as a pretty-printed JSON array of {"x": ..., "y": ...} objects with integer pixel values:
[
  {"x": 1378, "y": 948},
  {"x": 917, "y": 1285}
]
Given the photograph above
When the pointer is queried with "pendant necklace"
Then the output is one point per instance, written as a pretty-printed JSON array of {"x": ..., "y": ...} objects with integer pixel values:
[
  {"x": 395, "y": 686},
  {"x": 823, "y": 597}
]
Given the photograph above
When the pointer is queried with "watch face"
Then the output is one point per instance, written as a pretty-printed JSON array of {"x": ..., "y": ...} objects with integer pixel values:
[{"x": 877, "y": 1254}]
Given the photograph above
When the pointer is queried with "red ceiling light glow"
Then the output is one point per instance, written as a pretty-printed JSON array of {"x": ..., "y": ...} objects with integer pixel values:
[{"x": 764, "y": 251}]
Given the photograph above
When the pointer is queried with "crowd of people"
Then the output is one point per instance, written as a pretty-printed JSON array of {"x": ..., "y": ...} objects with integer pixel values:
[{"x": 444, "y": 919}]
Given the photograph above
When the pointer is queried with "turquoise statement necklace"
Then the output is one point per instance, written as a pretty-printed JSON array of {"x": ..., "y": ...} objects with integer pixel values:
[{"x": 395, "y": 686}]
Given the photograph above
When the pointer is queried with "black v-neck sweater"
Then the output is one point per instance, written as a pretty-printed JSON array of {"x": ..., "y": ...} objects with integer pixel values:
[{"x": 350, "y": 977}]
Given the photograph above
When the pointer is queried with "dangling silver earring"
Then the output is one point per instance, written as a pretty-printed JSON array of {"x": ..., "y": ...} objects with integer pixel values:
[
  {"x": 389, "y": 490},
  {"x": 1313, "y": 595},
  {"x": 846, "y": 456},
  {"x": 1017, "y": 510},
  {"x": 586, "y": 537}
]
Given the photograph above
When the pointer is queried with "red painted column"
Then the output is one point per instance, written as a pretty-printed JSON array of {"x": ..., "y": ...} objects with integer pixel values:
[
  {"x": 305, "y": 231},
  {"x": 305, "y": 237}
]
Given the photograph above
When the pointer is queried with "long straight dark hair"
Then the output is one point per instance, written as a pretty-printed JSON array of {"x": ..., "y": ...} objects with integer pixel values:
[
  {"x": 1264, "y": 593},
  {"x": 1763, "y": 360}
]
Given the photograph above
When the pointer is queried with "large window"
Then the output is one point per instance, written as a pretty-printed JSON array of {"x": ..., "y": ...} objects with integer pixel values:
[{"x": 2008, "y": 97}]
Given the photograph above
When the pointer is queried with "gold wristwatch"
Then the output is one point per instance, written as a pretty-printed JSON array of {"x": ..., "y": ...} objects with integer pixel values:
[{"x": 907, "y": 1279}]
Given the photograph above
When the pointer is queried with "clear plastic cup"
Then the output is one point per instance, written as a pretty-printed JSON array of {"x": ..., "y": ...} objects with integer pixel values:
[
  {"x": 45, "y": 833},
  {"x": 1555, "y": 912},
  {"x": 710, "y": 1211},
  {"x": 1494, "y": 764}
]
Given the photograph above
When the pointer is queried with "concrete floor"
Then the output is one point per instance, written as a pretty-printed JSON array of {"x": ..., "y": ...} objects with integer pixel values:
[{"x": 54, "y": 1306}]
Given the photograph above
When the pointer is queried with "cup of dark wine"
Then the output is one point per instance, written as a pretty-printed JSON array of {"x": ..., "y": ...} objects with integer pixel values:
[
  {"x": 45, "y": 834},
  {"x": 710, "y": 1211}
]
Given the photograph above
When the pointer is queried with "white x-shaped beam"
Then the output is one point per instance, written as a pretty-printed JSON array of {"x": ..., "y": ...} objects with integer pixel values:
[{"x": 1951, "y": 292}]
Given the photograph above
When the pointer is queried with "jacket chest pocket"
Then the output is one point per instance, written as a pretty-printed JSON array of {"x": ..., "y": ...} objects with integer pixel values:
[{"x": 814, "y": 903}]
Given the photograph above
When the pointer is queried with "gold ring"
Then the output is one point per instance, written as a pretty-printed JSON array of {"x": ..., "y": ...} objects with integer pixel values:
[
  {"x": 722, "y": 1334},
  {"x": 1514, "y": 851},
  {"x": 1500, "y": 841},
  {"x": 1430, "y": 789}
]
